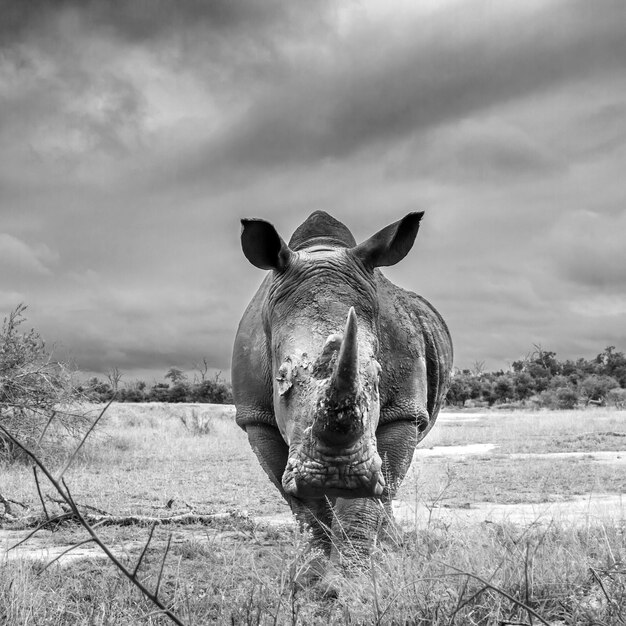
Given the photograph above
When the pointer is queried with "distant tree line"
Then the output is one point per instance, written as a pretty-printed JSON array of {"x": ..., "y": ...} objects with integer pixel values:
[
  {"x": 214, "y": 390},
  {"x": 539, "y": 380},
  {"x": 542, "y": 380}
]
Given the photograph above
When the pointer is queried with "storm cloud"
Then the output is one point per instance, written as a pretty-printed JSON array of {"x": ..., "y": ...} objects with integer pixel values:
[{"x": 135, "y": 135}]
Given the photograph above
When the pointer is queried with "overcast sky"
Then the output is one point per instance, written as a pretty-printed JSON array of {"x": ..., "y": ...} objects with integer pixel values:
[{"x": 135, "y": 135}]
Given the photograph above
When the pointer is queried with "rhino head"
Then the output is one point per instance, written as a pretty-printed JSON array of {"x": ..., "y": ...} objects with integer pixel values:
[{"x": 320, "y": 320}]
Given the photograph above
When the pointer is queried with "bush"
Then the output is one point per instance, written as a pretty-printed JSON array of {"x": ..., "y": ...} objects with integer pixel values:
[
  {"x": 617, "y": 398},
  {"x": 596, "y": 387},
  {"x": 197, "y": 423},
  {"x": 97, "y": 390},
  {"x": 179, "y": 392},
  {"x": 540, "y": 379},
  {"x": 562, "y": 398},
  {"x": 33, "y": 388},
  {"x": 503, "y": 389},
  {"x": 214, "y": 391},
  {"x": 566, "y": 398}
]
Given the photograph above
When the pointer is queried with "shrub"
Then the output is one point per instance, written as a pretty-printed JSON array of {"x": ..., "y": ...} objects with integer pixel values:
[
  {"x": 34, "y": 388},
  {"x": 503, "y": 389},
  {"x": 159, "y": 393},
  {"x": 96, "y": 390},
  {"x": 566, "y": 398},
  {"x": 546, "y": 399},
  {"x": 197, "y": 423},
  {"x": 617, "y": 398},
  {"x": 179, "y": 392},
  {"x": 561, "y": 398},
  {"x": 216, "y": 391},
  {"x": 597, "y": 386}
]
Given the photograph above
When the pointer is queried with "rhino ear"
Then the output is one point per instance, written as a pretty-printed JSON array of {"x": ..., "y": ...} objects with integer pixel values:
[
  {"x": 391, "y": 244},
  {"x": 263, "y": 246}
]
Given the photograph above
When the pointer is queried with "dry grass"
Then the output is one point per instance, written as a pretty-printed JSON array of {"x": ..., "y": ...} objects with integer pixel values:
[
  {"x": 145, "y": 456},
  {"x": 535, "y": 431},
  {"x": 566, "y": 575},
  {"x": 494, "y": 477}
]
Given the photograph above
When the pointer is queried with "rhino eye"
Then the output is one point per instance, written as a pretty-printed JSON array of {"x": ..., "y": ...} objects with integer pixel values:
[{"x": 284, "y": 377}]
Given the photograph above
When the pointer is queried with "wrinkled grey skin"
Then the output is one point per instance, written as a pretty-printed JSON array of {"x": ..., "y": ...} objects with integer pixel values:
[{"x": 337, "y": 374}]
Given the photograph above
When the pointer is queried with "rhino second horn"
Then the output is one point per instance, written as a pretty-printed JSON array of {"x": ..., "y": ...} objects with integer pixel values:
[{"x": 346, "y": 376}]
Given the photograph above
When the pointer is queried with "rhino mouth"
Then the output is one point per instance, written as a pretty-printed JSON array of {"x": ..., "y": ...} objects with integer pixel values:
[{"x": 316, "y": 471}]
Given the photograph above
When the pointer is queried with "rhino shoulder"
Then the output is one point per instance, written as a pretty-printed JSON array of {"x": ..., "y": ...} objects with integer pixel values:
[
  {"x": 415, "y": 344},
  {"x": 251, "y": 375}
]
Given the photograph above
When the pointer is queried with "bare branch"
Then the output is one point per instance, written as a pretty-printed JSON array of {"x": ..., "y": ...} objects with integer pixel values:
[
  {"x": 114, "y": 375},
  {"x": 56, "y": 558},
  {"x": 43, "y": 504},
  {"x": 145, "y": 549},
  {"x": 45, "y": 428},
  {"x": 48, "y": 522},
  {"x": 488, "y": 585},
  {"x": 167, "y": 549},
  {"x": 106, "y": 519},
  {"x": 80, "y": 445}
]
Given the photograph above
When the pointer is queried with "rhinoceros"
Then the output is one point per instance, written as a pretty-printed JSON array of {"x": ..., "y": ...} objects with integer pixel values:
[{"x": 337, "y": 374}]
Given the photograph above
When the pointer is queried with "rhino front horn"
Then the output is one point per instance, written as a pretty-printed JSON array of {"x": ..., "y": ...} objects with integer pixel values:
[{"x": 346, "y": 376}]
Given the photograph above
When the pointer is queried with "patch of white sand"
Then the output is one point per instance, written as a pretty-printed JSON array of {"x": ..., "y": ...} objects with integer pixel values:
[
  {"x": 461, "y": 417},
  {"x": 467, "y": 450},
  {"x": 600, "y": 456},
  {"x": 579, "y": 511}
]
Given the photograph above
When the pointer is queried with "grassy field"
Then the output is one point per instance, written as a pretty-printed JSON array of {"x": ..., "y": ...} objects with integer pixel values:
[{"x": 146, "y": 460}]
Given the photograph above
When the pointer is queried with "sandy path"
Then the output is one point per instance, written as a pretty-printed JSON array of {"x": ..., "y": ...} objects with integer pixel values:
[
  {"x": 40, "y": 547},
  {"x": 617, "y": 457},
  {"x": 581, "y": 511}
]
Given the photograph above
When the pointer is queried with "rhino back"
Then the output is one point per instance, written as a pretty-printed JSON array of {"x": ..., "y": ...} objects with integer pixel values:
[
  {"x": 412, "y": 334},
  {"x": 251, "y": 369}
]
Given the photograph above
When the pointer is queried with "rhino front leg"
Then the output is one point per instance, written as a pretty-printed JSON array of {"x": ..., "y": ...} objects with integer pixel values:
[
  {"x": 396, "y": 445},
  {"x": 315, "y": 514}
]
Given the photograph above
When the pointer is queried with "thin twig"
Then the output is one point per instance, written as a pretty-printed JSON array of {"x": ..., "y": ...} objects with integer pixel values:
[
  {"x": 43, "y": 504},
  {"x": 48, "y": 522},
  {"x": 502, "y": 592},
  {"x": 80, "y": 445},
  {"x": 45, "y": 428},
  {"x": 62, "y": 502},
  {"x": 374, "y": 583},
  {"x": 107, "y": 519},
  {"x": 56, "y": 558},
  {"x": 462, "y": 604},
  {"x": 604, "y": 591},
  {"x": 526, "y": 578},
  {"x": 143, "y": 552},
  {"x": 167, "y": 549},
  {"x": 41, "y": 410}
]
